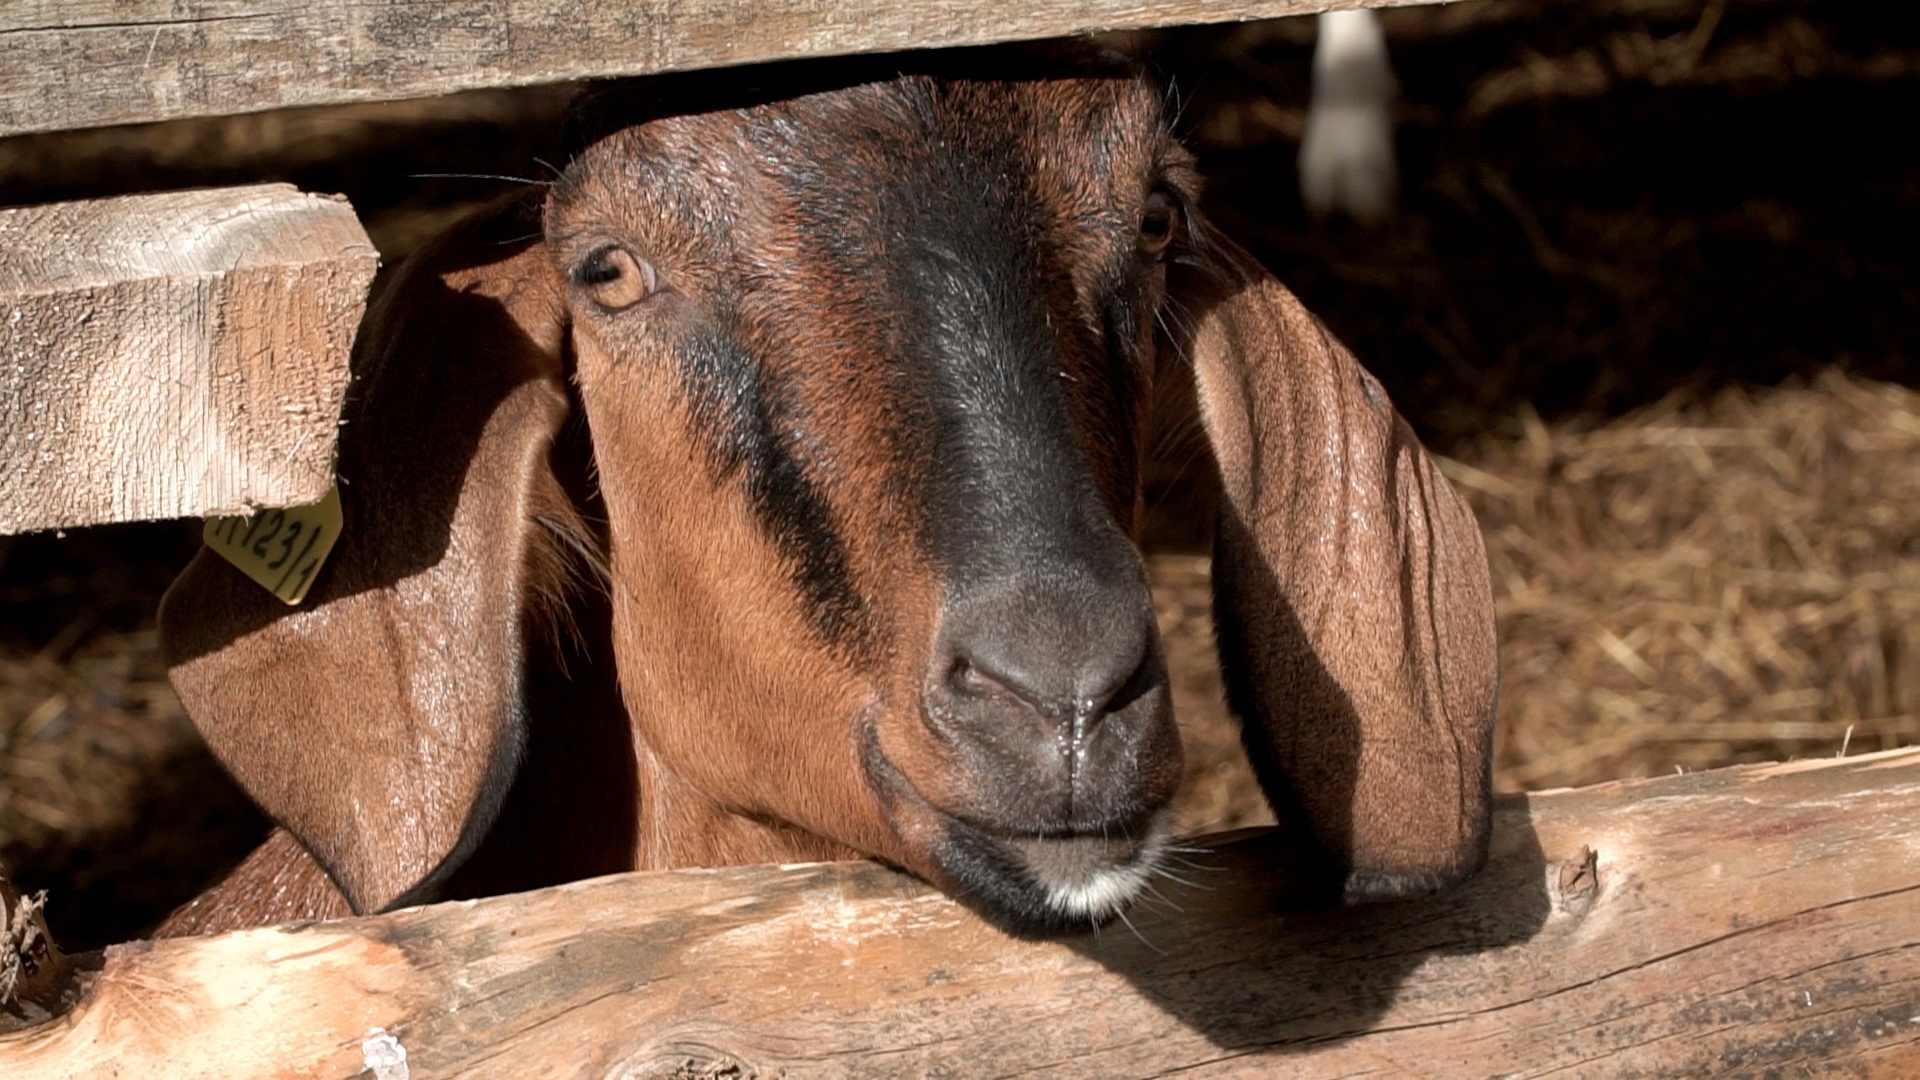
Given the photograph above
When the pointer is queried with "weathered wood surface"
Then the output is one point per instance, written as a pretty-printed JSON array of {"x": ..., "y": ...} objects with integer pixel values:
[
  {"x": 82, "y": 63},
  {"x": 1757, "y": 920},
  {"x": 174, "y": 355}
]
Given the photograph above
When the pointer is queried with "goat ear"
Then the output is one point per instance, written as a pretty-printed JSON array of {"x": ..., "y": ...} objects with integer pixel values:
[
  {"x": 1351, "y": 593},
  {"x": 381, "y": 721}
]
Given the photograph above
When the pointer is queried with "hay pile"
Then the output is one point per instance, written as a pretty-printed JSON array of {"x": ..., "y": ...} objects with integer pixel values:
[
  {"x": 1699, "y": 584},
  {"x": 108, "y": 798},
  {"x": 78, "y": 728}
]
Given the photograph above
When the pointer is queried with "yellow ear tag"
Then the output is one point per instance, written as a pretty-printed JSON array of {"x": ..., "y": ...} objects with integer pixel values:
[{"x": 280, "y": 549}]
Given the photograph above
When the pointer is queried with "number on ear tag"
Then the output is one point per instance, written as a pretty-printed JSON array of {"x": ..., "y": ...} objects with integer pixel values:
[{"x": 280, "y": 549}]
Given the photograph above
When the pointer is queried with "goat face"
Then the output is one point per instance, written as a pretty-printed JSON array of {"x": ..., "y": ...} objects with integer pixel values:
[
  {"x": 867, "y": 373},
  {"x": 864, "y": 377}
]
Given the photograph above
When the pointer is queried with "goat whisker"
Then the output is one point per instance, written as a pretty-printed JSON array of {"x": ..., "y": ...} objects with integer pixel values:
[
  {"x": 1161, "y": 871},
  {"x": 1136, "y": 933},
  {"x": 481, "y": 176},
  {"x": 1164, "y": 898},
  {"x": 521, "y": 239}
]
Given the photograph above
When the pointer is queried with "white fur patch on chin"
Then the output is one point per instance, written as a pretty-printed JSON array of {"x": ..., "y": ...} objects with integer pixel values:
[{"x": 1093, "y": 878}]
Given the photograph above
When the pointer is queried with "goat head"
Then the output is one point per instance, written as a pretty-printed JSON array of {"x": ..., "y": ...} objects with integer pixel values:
[{"x": 769, "y": 490}]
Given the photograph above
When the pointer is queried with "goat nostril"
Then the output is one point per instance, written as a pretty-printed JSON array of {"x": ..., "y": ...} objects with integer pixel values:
[
  {"x": 1052, "y": 694},
  {"x": 969, "y": 679}
]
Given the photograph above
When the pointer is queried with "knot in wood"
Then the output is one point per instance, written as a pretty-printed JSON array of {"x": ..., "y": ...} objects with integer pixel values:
[{"x": 1580, "y": 881}]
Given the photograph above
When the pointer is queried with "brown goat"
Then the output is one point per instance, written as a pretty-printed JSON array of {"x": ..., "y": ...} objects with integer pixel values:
[{"x": 769, "y": 492}]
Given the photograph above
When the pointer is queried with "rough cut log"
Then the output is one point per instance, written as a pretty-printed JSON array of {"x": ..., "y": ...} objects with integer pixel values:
[
  {"x": 174, "y": 355},
  {"x": 1762, "y": 920},
  {"x": 82, "y": 63}
]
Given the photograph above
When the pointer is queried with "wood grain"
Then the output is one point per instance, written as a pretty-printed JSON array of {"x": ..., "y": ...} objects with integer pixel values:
[
  {"x": 1762, "y": 920},
  {"x": 174, "y": 355},
  {"x": 83, "y": 63}
]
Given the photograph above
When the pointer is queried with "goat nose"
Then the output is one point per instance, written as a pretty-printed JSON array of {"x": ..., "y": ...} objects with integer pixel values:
[
  {"x": 1071, "y": 655},
  {"x": 1050, "y": 699}
]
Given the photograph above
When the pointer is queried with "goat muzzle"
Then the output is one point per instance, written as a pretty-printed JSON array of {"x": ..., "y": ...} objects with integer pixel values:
[{"x": 1040, "y": 776}]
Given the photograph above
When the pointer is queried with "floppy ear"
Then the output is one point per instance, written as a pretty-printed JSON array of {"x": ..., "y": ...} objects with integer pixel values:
[
  {"x": 381, "y": 722},
  {"x": 1351, "y": 592}
]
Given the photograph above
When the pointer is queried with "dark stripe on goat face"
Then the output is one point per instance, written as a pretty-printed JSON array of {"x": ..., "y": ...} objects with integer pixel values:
[
  {"x": 926, "y": 230},
  {"x": 752, "y": 427},
  {"x": 1003, "y": 442},
  {"x": 1119, "y": 406}
]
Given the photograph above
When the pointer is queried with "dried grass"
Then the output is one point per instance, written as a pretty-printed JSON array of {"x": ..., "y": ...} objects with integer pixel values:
[
  {"x": 77, "y": 734},
  {"x": 1789, "y": 48},
  {"x": 1704, "y": 583},
  {"x": 108, "y": 798},
  {"x": 1218, "y": 791}
]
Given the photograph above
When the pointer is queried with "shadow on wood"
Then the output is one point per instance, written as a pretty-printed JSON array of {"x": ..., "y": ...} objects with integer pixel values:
[{"x": 1242, "y": 958}]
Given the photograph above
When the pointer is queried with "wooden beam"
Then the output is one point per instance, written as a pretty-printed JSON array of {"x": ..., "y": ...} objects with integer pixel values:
[
  {"x": 174, "y": 355},
  {"x": 83, "y": 63},
  {"x": 1756, "y": 920}
]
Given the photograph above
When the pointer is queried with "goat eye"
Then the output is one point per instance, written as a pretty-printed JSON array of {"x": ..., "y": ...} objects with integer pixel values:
[
  {"x": 615, "y": 278},
  {"x": 1157, "y": 221}
]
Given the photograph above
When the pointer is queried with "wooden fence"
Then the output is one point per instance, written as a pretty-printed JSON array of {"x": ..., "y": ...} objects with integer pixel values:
[{"x": 85, "y": 63}]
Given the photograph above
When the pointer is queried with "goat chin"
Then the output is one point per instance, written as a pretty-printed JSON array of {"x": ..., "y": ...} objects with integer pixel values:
[{"x": 1090, "y": 878}]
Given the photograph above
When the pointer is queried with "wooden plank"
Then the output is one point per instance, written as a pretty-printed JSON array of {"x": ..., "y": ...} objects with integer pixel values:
[
  {"x": 82, "y": 63},
  {"x": 1761, "y": 920},
  {"x": 174, "y": 355}
]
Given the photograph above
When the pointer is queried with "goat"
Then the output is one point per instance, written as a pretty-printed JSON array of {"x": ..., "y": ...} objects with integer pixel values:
[
  {"x": 768, "y": 491},
  {"x": 1346, "y": 154}
]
